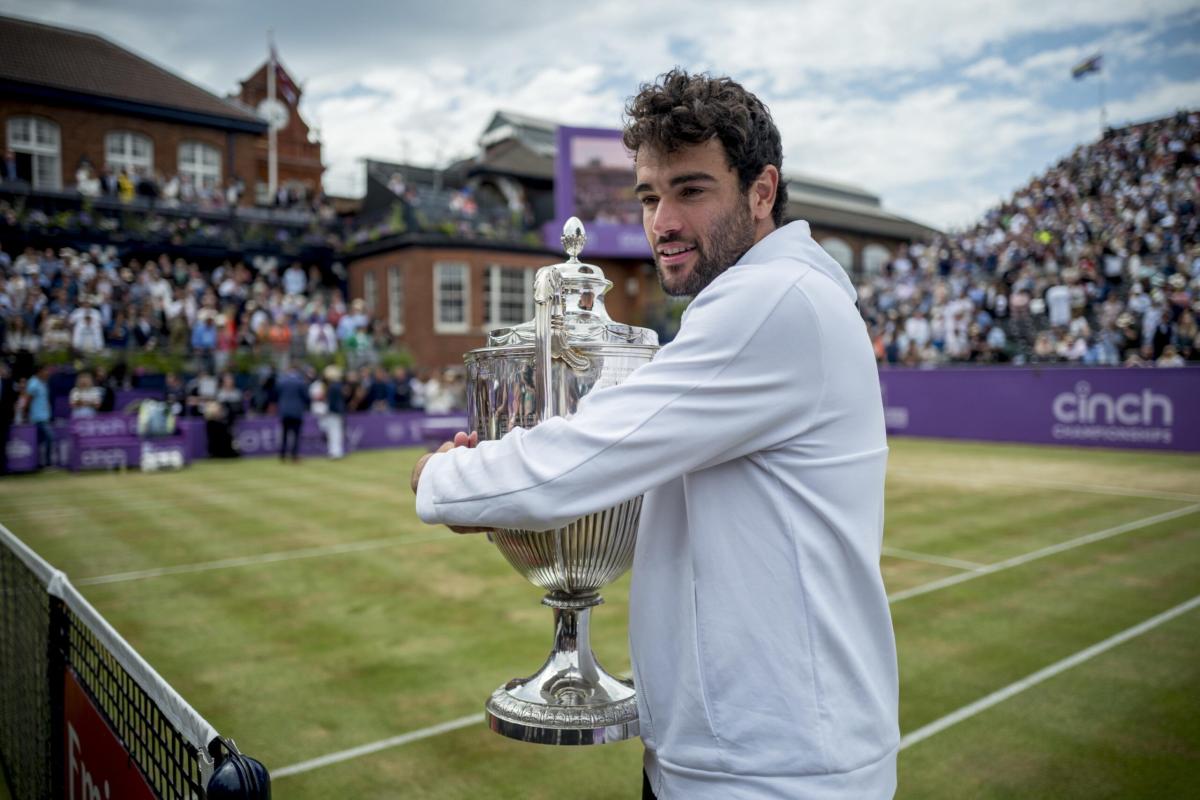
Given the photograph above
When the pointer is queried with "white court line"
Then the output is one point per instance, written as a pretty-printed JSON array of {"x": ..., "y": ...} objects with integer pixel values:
[
  {"x": 896, "y": 552},
  {"x": 1070, "y": 544},
  {"x": 1040, "y": 483},
  {"x": 434, "y": 730},
  {"x": 375, "y": 747},
  {"x": 263, "y": 558},
  {"x": 968, "y": 711}
]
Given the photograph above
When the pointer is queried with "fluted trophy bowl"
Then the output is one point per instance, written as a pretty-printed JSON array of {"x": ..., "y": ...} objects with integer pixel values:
[{"x": 528, "y": 373}]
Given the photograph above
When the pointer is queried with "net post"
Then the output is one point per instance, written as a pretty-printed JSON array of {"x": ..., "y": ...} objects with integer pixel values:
[{"x": 58, "y": 642}]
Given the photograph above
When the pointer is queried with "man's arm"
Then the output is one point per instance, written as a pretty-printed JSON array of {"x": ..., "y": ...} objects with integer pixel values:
[{"x": 738, "y": 379}]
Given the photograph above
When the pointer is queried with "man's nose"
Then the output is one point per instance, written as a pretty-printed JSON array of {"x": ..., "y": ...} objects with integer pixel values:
[{"x": 666, "y": 220}]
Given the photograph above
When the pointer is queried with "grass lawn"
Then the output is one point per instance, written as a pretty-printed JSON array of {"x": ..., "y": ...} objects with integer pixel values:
[{"x": 304, "y": 610}]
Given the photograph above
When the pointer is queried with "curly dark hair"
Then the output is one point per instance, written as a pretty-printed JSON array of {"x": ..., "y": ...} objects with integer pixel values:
[{"x": 683, "y": 109}]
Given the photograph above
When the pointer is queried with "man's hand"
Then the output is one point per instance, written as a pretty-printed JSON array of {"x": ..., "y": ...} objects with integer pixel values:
[{"x": 461, "y": 439}]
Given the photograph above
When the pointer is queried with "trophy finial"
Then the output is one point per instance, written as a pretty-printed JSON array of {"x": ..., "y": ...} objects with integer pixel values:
[{"x": 574, "y": 237}]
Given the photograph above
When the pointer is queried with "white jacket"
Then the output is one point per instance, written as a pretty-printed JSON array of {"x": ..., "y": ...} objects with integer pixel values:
[{"x": 759, "y": 630}]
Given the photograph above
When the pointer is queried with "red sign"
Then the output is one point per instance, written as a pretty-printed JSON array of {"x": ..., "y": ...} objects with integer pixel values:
[{"x": 98, "y": 766}]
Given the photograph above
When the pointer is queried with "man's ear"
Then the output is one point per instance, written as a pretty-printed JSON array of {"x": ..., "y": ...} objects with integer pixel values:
[{"x": 763, "y": 191}]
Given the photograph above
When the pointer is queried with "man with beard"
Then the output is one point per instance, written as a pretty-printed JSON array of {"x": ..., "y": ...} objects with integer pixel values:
[{"x": 759, "y": 630}]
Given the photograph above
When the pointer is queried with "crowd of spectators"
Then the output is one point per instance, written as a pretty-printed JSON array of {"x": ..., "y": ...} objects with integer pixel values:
[
  {"x": 88, "y": 302},
  {"x": 1097, "y": 261},
  {"x": 68, "y": 306}
]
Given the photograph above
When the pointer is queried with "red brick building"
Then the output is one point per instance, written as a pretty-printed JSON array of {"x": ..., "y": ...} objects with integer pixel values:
[
  {"x": 441, "y": 299},
  {"x": 68, "y": 97}
]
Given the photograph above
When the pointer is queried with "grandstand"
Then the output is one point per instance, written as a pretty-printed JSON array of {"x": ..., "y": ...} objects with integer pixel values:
[{"x": 1094, "y": 262}]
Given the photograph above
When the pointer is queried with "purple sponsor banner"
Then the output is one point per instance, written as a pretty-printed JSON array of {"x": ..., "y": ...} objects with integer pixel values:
[
  {"x": 22, "y": 448},
  {"x": 102, "y": 425},
  {"x": 1130, "y": 408},
  {"x": 195, "y": 436},
  {"x": 593, "y": 180},
  {"x": 262, "y": 436}
]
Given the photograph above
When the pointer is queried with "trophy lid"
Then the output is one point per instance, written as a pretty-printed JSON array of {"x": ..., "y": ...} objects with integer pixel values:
[{"x": 586, "y": 319}]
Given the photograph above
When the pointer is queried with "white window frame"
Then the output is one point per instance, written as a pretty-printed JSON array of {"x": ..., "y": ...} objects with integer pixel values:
[
  {"x": 44, "y": 144},
  {"x": 395, "y": 290},
  {"x": 123, "y": 156},
  {"x": 202, "y": 174},
  {"x": 496, "y": 296},
  {"x": 441, "y": 271}
]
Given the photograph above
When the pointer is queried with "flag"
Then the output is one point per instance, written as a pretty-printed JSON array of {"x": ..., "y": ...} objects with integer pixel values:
[
  {"x": 284, "y": 84},
  {"x": 1087, "y": 65}
]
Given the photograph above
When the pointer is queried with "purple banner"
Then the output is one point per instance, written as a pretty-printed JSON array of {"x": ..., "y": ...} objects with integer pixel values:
[
  {"x": 262, "y": 436},
  {"x": 1137, "y": 408},
  {"x": 593, "y": 180},
  {"x": 22, "y": 448}
]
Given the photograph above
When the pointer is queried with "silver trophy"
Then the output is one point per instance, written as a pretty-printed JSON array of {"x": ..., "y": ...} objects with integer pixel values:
[{"x": 526, "y": 374}]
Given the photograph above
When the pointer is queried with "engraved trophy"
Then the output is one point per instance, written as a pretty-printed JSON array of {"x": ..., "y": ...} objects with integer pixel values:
[{"x": 529, "y": 373}]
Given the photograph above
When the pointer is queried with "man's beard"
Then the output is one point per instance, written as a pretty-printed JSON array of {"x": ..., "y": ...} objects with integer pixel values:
[{"x": 731, "y": 237}]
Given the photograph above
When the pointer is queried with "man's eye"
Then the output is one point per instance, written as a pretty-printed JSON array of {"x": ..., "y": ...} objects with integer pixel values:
[
  {"x": 691, "y": 191},
  {"x": 648, "y": 200}
]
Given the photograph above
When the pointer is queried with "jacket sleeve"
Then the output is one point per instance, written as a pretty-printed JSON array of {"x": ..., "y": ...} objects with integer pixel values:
[{"x": 744, "y": 374}]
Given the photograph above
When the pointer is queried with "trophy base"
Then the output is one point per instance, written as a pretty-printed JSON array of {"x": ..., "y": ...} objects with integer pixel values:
[
  {"x": 548, "y": 723},
  {"x": 571, "y": 700}
]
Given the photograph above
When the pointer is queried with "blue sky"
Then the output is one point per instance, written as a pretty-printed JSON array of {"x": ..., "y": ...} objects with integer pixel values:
[{"x": 941, "y": 107}]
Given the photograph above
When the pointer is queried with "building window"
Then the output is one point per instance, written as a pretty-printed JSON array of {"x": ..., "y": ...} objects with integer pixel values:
[
  {"x": 840, "y": 251},
  {"x": 370, "y": 292},
  {"x": 451, "y": 295},
  {"x": 35, "y": 143},
  {"x": 508, "y": 296},
  {"x": 132, "y": 152},
  {"x": 201, "y": 163},
  {"x": 395, "y": 289},
  {"x": 875, "y": 258}
]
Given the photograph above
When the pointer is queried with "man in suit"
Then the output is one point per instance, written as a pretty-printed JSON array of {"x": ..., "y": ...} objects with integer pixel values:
[{"x": 292, "y": 389}]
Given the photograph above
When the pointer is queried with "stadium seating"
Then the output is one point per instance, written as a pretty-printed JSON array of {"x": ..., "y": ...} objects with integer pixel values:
[{"x": 1095, "y": 261}]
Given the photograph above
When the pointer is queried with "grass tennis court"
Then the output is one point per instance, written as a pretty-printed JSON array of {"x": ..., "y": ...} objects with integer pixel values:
[{"x": 304, "y": 610}]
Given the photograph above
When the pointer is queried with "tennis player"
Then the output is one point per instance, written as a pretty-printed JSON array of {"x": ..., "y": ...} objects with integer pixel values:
[{"x": 759, "y": 630}]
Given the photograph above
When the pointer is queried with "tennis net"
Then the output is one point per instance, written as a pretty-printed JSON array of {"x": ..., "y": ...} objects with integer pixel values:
[{"x": 79, "y": 707}]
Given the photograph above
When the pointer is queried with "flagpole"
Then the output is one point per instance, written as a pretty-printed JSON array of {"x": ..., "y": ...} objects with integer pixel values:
[
  {"x": 1103, "y": 116},
  {"x": 272, "y": 154}
]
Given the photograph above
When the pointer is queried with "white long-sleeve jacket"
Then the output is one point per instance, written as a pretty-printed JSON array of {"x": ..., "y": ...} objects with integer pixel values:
[{"x": 759, "y": 629}]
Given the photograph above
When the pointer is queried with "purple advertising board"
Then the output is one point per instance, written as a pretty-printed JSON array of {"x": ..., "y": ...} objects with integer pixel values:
[
  {"x": 261, "y": 436},
  {"x": 1155, "y": 409},
  {"x": 593, "y": 180}
]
